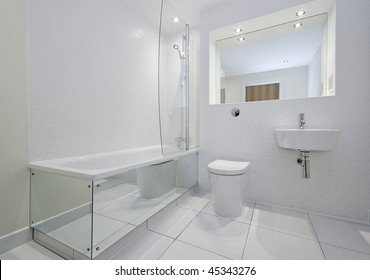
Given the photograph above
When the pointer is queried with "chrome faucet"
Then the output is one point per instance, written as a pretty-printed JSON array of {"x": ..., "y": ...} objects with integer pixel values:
[{"x": 301, "y": 120}]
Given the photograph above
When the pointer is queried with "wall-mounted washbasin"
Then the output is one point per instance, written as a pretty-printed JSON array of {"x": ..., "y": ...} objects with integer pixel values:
[{"x": 307, "y": 139}]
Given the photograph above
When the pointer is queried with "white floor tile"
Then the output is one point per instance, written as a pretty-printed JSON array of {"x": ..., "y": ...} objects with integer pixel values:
[
  {"x": 245, "y": 217},
  {"x": 148, "y": 246},
  {"x": 216, "y": 234},
  {"x": 336, "y": 253},
  {"x": 342, "y": 234},
  {"x": 182, "y": 251},
  {"x": 194, "y": 200},
  {"x": 30, "y": 251},
  {"x": 128, "y": 208},
  {"x": 283, "y": 220},
  {"x": 265, "y": 244},
  {"x": 172, "y": 222}
]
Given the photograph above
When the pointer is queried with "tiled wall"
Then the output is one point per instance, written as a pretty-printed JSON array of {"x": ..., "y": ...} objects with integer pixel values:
[
  {"x": 14, "y": 175},
  {"x": 339, "y": 183},
  {"x": 93, "y": 77}
]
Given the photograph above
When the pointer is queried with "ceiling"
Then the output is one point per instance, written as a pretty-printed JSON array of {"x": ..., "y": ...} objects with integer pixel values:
[
  {"x": 189, "y": 10},
  {"x": 278, "y": 47}
]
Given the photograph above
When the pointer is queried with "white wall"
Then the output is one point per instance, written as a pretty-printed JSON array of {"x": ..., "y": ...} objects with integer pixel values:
[
  {"x": 339, "y": 183},
  {"x": 13, "y": 116},
  {"x": 93, "y": 78}
]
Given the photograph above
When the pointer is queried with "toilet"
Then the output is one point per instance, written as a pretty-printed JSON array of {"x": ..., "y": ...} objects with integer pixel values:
[{"x": 229, "y": 182}]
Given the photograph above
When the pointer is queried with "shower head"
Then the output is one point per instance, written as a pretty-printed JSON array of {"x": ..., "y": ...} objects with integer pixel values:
[{"x": 176, "y": 47}]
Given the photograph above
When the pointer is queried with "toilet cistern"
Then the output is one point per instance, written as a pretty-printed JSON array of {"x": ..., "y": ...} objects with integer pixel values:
[{"x": 301, "y": 121}]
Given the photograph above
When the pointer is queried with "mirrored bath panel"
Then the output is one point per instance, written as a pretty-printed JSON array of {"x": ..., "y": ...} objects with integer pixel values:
[
  {"x": 78, "y": 218},
  {"x": 285, "y": 55}
]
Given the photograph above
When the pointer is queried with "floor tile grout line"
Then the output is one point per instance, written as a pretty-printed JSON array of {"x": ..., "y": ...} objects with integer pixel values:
[
  {"x": 176, "y": 239},
  {"x": 280, "y": 231},
  {"x": 284, "y": 232},
  {"x": 190, "y": 210},
  {"x": 249, "y": 229},
  {"x": 148, "y": 230},
  {"x": 203, "y": 213},
  {"x": 132, "y": 241},
  {"x": 173, "y": 241},
  {"x": 204, "y": 249},
  {"x": 344, "y": 248},
  {"x": 317, "y": 237},
  {"x": 198, "y": 213}
]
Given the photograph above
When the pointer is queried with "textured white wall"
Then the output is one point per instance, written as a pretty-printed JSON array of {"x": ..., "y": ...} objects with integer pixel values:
[
  {"x": 93, "y": 78},
  {"x": 339, "y": 183},
  {"x": 13, "y": 116}
]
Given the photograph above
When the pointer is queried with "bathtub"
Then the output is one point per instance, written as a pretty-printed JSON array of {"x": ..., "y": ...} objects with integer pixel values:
[
  {"x": 71, "y": 199},
  {"x": 99, "y": 166}
]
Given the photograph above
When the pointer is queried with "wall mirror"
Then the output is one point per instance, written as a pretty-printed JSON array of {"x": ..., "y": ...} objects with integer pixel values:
[{"x": 285, "y": 55}]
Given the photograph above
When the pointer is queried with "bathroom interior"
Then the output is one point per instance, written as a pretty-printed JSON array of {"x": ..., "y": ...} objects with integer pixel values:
[{"x": 171, "y": 129}]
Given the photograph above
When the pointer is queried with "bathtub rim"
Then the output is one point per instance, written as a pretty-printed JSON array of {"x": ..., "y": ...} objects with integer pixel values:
[{"x": 55, "y": 165}]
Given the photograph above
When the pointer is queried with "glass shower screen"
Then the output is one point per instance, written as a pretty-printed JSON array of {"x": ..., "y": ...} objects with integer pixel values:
[{"x": 174, "y": 100}]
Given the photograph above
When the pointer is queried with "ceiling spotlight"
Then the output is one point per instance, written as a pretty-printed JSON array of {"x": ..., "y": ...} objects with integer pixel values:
[
  {"x": 298, "y": 25},
  {"x": 300, "y": 13},
  {"x": 241, "y": 39},
  {"x": 176, "y": 19},
  {"x": 238, "y": 30}
]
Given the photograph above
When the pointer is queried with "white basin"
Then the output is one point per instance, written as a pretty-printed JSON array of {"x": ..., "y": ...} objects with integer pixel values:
[{"x": 307, "y": 139}]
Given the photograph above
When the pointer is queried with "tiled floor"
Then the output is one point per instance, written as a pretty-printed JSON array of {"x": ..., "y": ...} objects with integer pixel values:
[{"x": 190, "y": 230}]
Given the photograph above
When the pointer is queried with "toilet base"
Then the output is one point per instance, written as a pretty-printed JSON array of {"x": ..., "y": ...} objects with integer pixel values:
[
  {"x": 227, "y": 212},
  {"x": 228, "y": 194}
]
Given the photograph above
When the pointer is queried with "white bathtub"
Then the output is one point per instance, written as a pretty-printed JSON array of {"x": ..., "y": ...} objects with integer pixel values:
[{"x": 99, "y": 166}]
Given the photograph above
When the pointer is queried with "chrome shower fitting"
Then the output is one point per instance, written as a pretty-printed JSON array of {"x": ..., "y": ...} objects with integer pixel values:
[
  {"x": 176, "y": 47},
  {"x": 304, "y": 161}
]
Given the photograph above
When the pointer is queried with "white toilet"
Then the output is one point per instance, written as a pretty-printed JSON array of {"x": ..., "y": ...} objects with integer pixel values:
[{"x": 229, "y": 182}]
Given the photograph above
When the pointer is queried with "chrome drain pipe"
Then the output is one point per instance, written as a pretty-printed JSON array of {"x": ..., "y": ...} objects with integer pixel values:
[{"x": 304, "y": 161}]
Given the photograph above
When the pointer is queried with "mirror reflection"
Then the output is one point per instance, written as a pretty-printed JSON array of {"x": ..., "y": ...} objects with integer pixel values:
[
  {"x": 286, "y": 55},
  {"x": 286, "y": 61}
]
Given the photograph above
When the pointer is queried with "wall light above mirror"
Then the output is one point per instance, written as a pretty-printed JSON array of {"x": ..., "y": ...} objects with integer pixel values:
[{"x": 285, "y": 55}]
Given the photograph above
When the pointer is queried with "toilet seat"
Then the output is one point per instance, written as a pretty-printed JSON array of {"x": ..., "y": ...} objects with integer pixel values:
[{"x": 225, "y": 167}]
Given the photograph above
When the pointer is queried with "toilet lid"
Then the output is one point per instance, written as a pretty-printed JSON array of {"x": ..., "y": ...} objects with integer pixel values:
[{"x": 226, "y": 167}]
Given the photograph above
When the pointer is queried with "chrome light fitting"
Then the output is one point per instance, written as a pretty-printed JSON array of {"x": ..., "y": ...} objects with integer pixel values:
[{"x": 300, "y": 13}]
